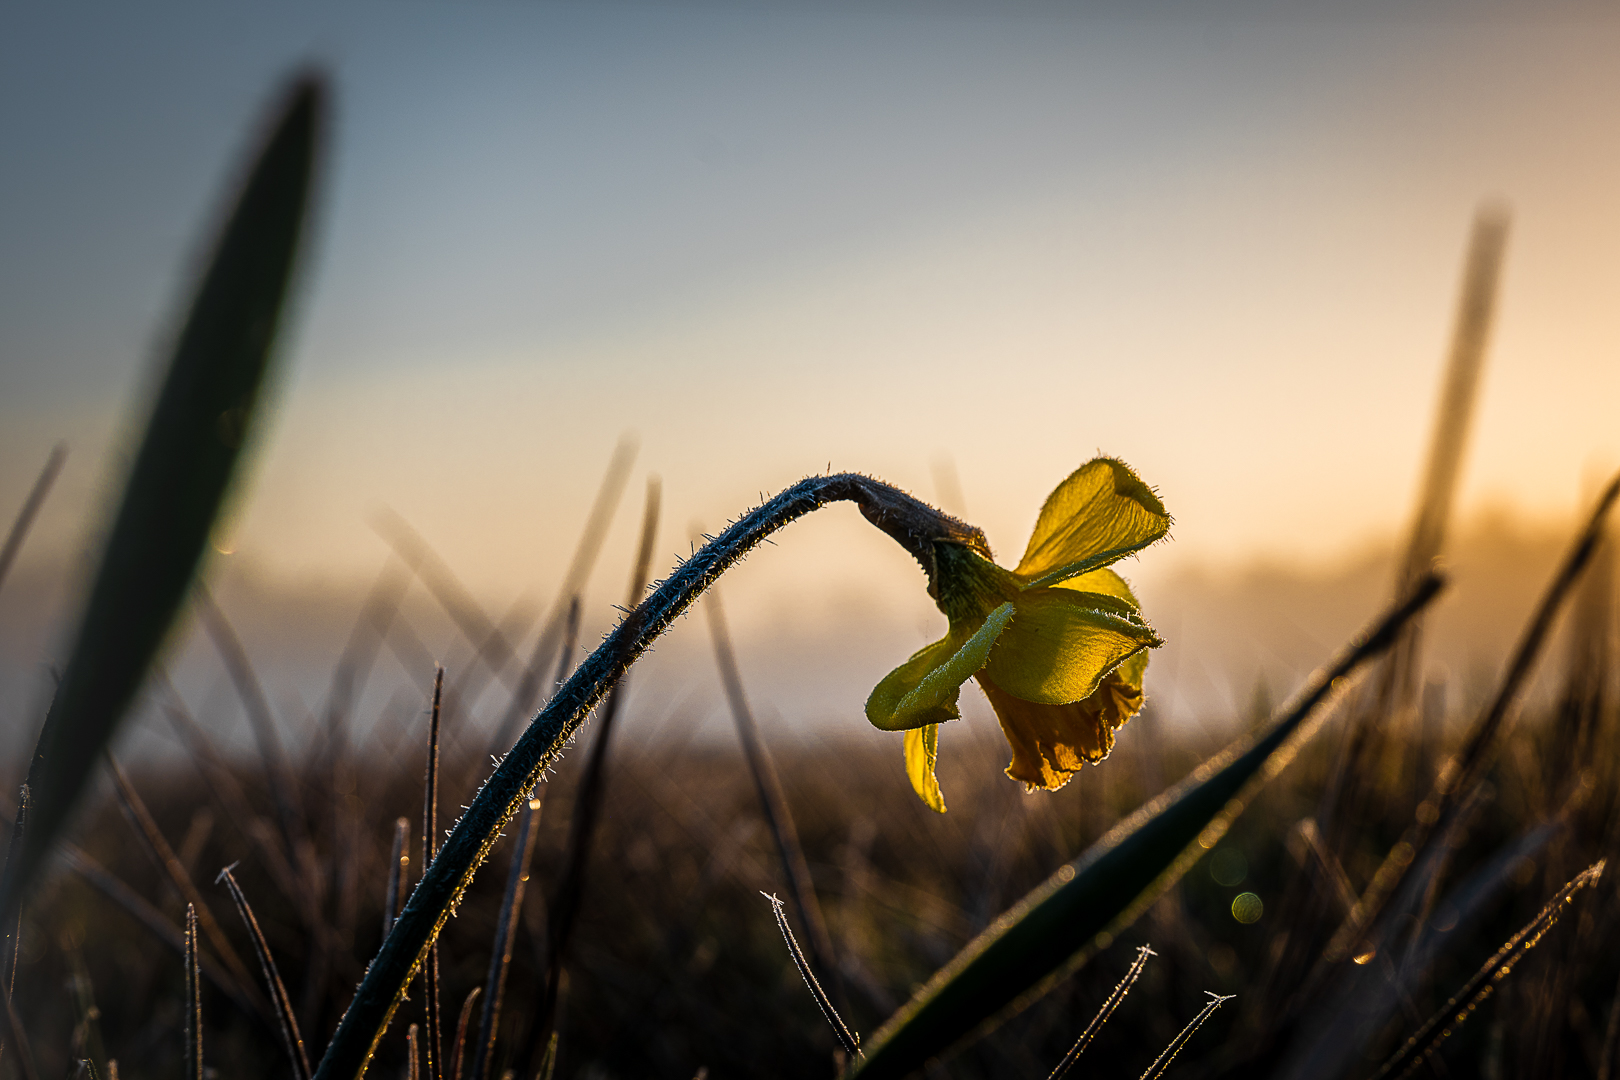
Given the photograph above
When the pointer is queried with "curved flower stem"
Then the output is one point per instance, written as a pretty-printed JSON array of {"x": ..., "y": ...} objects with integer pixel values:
[{"x": 914, "y": 525}]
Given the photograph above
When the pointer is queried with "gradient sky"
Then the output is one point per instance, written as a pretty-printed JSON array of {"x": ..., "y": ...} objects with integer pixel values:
[{"x": 1222, "y": 244}]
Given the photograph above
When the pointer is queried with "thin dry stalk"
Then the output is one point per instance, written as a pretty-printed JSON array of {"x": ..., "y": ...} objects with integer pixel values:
[
  {"x": 194, "y": 1035},
  {"x": 413, "y": 1058},
  {"x": 278, "y": 773},
  {"x": 291, "y": 1039},
  {"x": 146, "y": 828},
  {"x": 458, "y": 1054},
  {"x": 1107, "y": 1010},
  {"x": 399, "y": 861},
  {"x": 134, "y": 905},
  {"x": 1426, "y": 1042},
  {"x": 1162, "y": 1062},
  {"x": 30, "y": 508},
  {"x": 588, "y": 803},
  {"x": 772, "y": 800},
  {"x": 216, "y": 773},
  {"x": 579, "y": 572},
  {"x": 430, "y": 847},
  {"x": 850, "y": 1041},
  {"x": 500, "y": 960}
]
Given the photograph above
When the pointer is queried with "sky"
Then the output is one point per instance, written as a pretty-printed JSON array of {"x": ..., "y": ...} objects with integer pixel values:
[{"x": 963, "y": 247}]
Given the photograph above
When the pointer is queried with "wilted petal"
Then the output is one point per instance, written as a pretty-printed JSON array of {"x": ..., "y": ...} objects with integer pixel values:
[
  {"x": 1100, "y": 514},
  {"x": 922, "y": 750},
  {"x": 1050, "y": 742},
  {"x": 923, "y": 690},
  {"x": 1063, "y": 643}
]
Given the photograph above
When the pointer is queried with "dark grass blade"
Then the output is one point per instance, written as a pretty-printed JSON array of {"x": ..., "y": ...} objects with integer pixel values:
[
  {"x": 399, "y": 861},
  {"x": 579, "y": 572},
  {"x": 194, "y": 1035},
  {"x": 430, "y": 847},
  {"x": 849, "y": 1040},
  {"x": 227, "y": 790},
  {"x": 16, "y": 1040},
  {"x": 1426, "y": 1041},
  {"x": 14, "y": 925},
  {"x": 588, "y": 802},
  {"x": 773, "y": 801},
  {"x": 500, "y": 960},
  {"x": 180, "y": 476},
  {"x": 1162, "y": 1062},
  {"x": 278, "y": 773},
  {"x": 1057, "y": 927},
  {"x": 548, "y": 1062},
  {"x": 146, "y": 828},
  {"x": 292, "y": 1041},
  {"x": 30, "y": 508},
  {"x": 1460, "y": 776},
  {"x": 1108, "y": 1006},
  {"x": 458, "y": 1053},
  {"x": 1349, "y": 800},
  {"x": 1365, "y": 996},
  {"x": 158, "y": 924}
]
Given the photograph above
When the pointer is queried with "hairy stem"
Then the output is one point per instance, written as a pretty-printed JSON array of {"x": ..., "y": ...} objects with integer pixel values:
[{"x": 914, "y": 525}]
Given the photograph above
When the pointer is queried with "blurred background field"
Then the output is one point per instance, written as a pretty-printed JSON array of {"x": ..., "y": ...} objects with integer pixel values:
[{"x": 567, "y": 249}]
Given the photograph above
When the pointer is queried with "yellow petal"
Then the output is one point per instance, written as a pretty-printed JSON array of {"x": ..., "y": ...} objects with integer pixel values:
[
  {"x": 1050, "y": 742},
  {"x": 922, "y": 750},
  {"x": 923, "y": 690},
  {"x": 1101, "y": 581},
  {"x": 1100, "y": 514},
  {"x": 1061, "y": 645}
]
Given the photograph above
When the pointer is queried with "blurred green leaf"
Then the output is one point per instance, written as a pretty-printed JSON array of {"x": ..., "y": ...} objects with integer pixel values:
[
  {"x": 1059, "y": 926},
  {"x": 181, "y": 473}
]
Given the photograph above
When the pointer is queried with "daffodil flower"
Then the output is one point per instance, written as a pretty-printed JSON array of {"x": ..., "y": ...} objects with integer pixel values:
[{"x": 1058, "y": 644}]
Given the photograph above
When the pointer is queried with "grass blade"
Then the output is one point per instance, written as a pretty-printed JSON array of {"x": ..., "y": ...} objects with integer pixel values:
[
  {"x": 500, "y": 960},
  {"x": 588, "y": 802},
  {"x": 1426, "y": 1041},
  {"x": 430, "y": 847},
  {"x": 1363, "y": 930},
  {"x": 399, "y": 862},
  {"x": 772, "y": 799},
  {"x": 30, "y": 507},
  {"x": 579, "y": 572},
  {"x": 1107, "y": 1010},
  {"x": 850, "y": 1041},
  {"x": 194, "y": 1037},
  {"x": 134, "y": 905},
  {"x": 180, "y": 476},
  {"x": 146, "y": 828},
  {"x": 1162, "y": 1062},
  {"x": 291, "y": 1039},
  {"x": 278, "y": 772},
  {"x": 17, "y": 1039},
  {"x": 458, "y": 1054},
  {"x": 1058, "y": 927}
]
